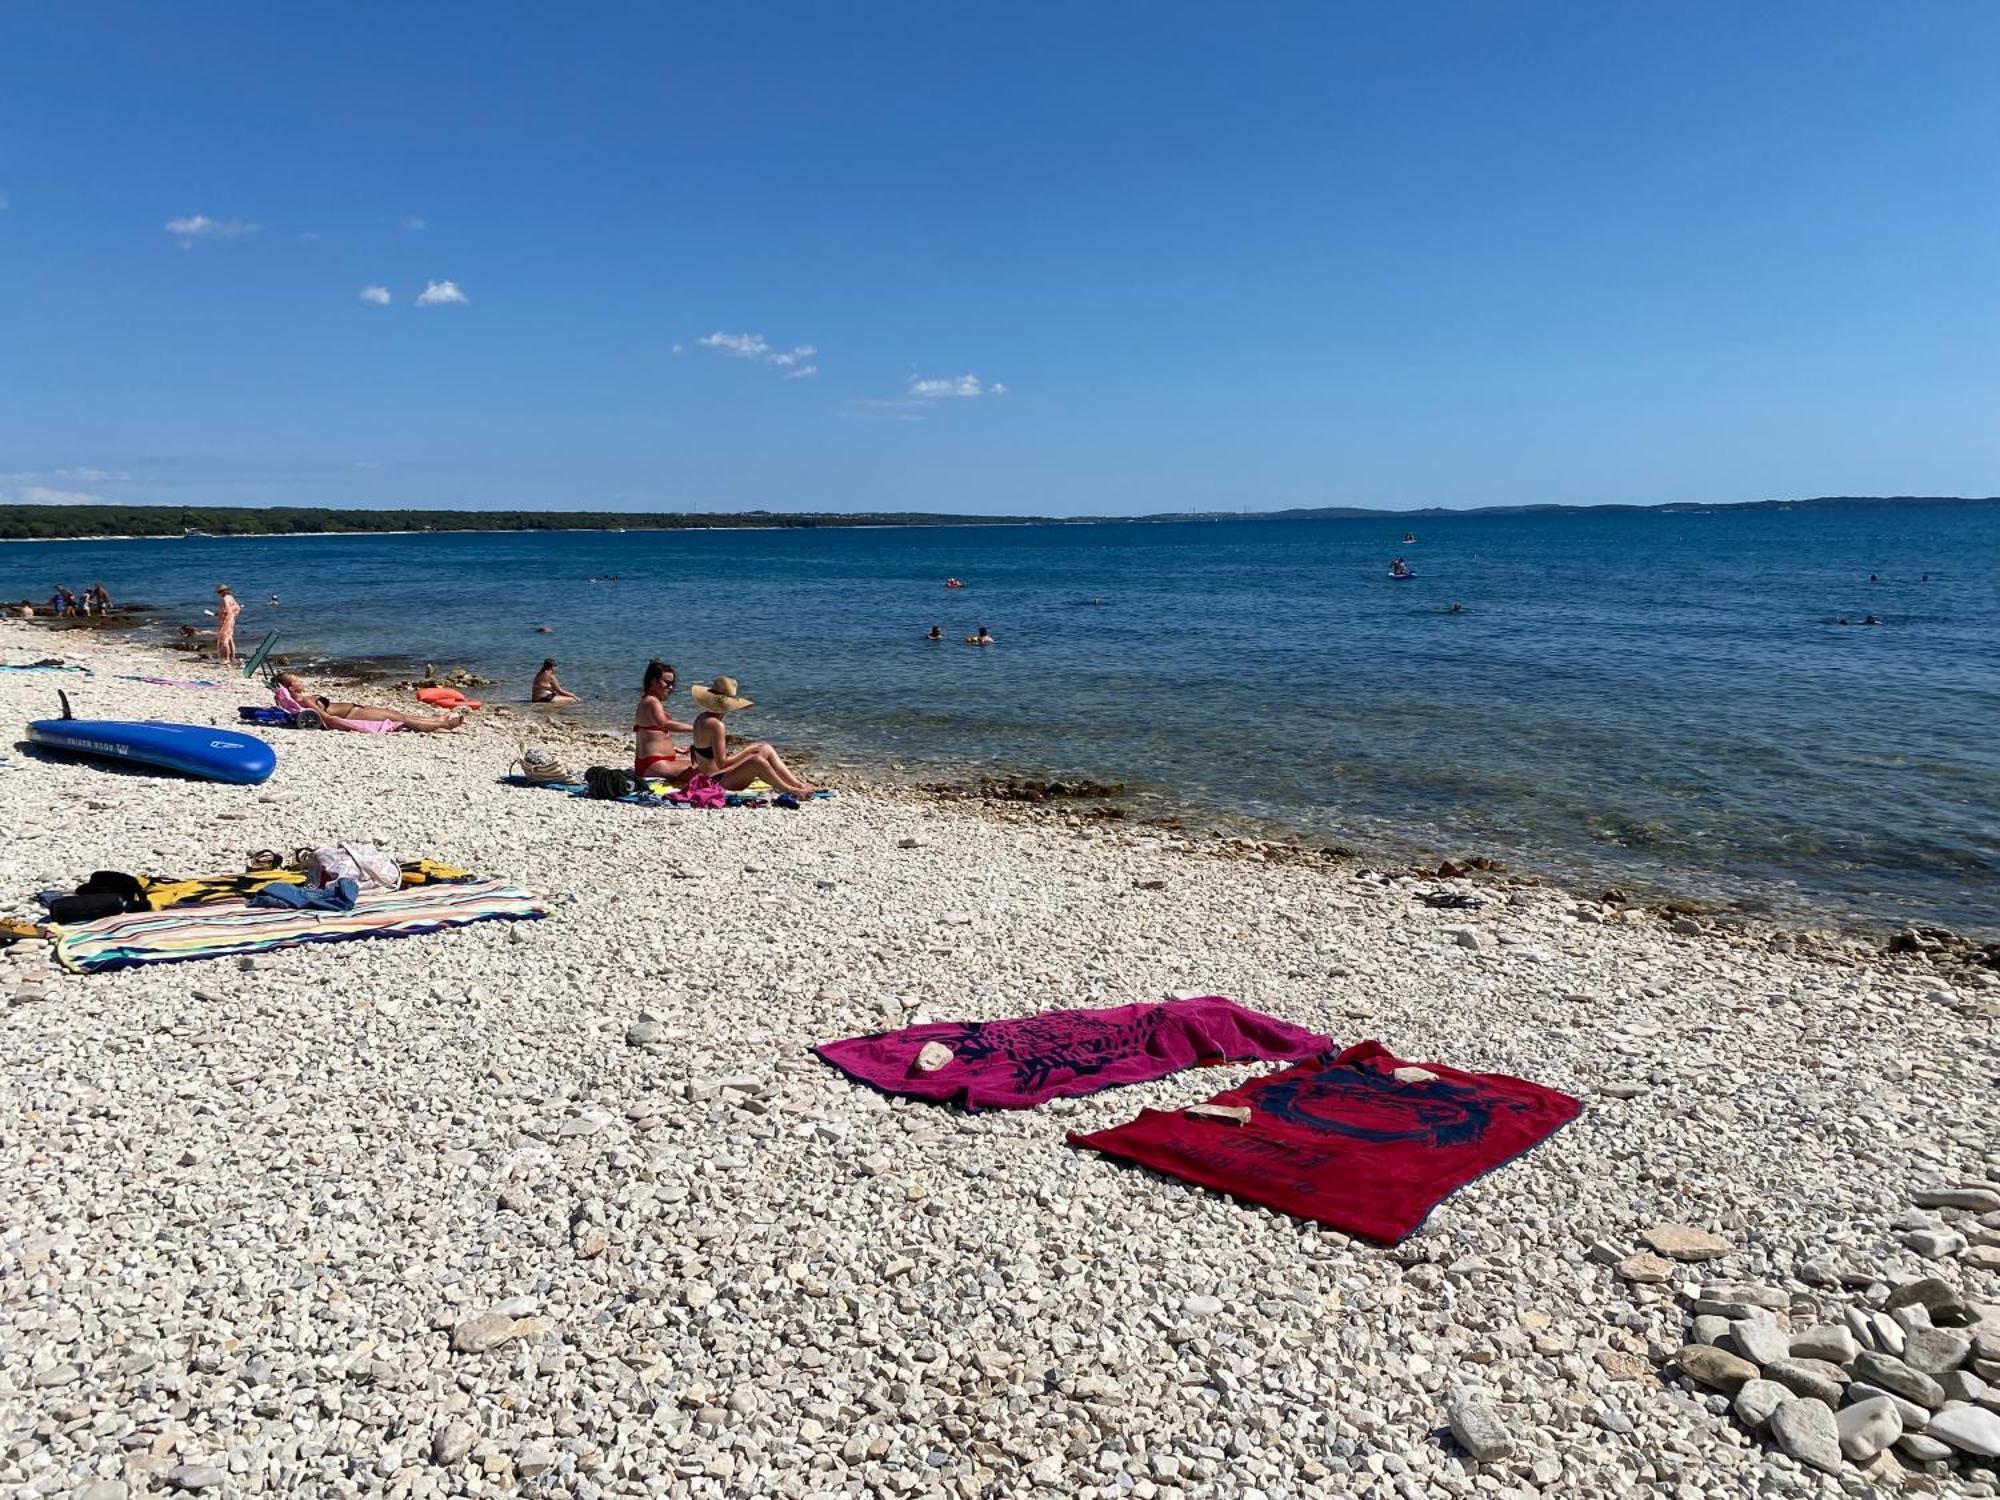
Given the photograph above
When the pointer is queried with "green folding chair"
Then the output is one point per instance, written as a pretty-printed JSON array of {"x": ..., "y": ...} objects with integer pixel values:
[{"x": 260, "y": 658}]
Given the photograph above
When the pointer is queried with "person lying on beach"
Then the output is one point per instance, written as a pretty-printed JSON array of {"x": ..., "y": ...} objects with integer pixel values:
[
  {"x": 654, "y": 754},
  {"x": 984, "y": 638},
  {"x": 734, "y": 769},
  {"x": 547, "y": 689},
  {"x": 326, "y": 707}
]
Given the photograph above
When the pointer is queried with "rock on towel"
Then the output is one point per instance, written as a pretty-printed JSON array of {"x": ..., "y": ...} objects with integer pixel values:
[
  {"x": 1344, "y": 1142},
  {"x": 1021, "y": 1062}
]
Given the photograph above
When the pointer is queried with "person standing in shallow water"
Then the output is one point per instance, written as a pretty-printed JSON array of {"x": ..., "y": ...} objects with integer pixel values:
[{"x": 226, "y": 611}]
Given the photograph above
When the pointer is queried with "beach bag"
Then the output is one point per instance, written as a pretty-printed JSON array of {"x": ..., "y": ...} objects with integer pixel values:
[
  {"x": 609, "y": 784},
  {"x": 539, "y": 765},
  {"x": 364, "y": 864}
]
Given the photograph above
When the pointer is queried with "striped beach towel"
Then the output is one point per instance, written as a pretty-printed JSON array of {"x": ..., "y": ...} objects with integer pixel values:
[{"x": 183, "y": 933}]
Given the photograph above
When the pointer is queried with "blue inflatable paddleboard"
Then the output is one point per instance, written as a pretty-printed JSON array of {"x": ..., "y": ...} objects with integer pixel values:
[{"x": 191, "y": 749}]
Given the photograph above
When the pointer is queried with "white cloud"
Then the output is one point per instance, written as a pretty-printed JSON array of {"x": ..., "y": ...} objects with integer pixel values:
[
  {"x": 412, "y": 223},
  {"x": 201, "y": 227},
  {"x": 38, "y": 494},
  {"x": 379, "y": 295},
  {"x": 90, "y": 476},
  {"x": 442, "y": 294},
  {"x": 795, "y": 362},
  {"x": 953, "y": 386}
]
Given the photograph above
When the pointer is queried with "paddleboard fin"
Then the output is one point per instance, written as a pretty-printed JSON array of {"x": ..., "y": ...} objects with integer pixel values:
[{"x": 67, "y": 714}]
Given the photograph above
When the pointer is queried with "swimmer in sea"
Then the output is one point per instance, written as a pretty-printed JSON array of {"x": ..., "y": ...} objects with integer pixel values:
[
  {"x": 937, "y": 633},
  {"x": 1456, "y": 609},
  {"x": 1871, "y": 620},
  {"x": 953, "y": 583},
  {"x": 984, "y": 638}
]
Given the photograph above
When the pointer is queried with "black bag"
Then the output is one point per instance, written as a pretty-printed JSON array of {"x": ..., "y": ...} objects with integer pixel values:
[{"x": 608, "y": 783}]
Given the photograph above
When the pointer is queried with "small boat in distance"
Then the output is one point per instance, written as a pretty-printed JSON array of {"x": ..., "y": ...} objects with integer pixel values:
[{"x": 188, "y": 533}]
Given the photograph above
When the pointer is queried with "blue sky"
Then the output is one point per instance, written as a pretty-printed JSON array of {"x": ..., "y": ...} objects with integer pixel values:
[{"x": 1063, "y": 259}]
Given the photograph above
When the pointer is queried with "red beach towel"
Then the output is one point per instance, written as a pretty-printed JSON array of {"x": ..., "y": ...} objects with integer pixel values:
[
  {"x": 1343, "y": 1142},
  {"x": 1022, "y": 1062}
]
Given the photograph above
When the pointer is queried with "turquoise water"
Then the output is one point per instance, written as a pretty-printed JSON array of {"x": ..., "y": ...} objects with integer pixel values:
[{"x": 1656, "y": 700}]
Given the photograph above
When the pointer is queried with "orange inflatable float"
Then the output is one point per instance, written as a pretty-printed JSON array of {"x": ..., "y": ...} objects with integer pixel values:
[{"x": 443, "y": 697}]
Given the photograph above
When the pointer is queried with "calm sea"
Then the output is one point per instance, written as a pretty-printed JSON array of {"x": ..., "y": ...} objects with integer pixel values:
[{"x": 1659, "y": 701}]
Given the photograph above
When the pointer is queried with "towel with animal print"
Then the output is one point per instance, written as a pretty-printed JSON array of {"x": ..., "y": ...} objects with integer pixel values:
[
  {"x": 1364, "y": 1142},
  {"x": 1026, "y": 1060}
]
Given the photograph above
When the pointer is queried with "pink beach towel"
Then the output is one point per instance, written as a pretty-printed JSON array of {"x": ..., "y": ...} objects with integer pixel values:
[
  {"x": 1346, "y": 1142},
  {"x": 1024, "y": 1061}
]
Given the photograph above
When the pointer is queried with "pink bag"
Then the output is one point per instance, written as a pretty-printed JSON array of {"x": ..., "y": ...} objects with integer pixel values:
[{"x": 702, "y": 790}]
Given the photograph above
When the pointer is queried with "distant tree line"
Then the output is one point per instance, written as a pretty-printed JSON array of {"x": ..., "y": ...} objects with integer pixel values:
[{"x": 42, "y": 522}]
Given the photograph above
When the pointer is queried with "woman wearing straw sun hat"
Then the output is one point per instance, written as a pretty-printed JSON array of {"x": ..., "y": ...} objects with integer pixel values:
[{"x": 709, "y": 750}]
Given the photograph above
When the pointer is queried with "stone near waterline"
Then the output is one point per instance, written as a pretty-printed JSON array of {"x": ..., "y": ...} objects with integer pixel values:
[
  {"x": 482, "y": 1333},
  {"x": 1963, "y": 1385},
  {"x": 645, "y": 1034},
  {"x": 1833, "y": 1342},
  {"x": 1935, "y": 1293},
  {"x": 1716, "y": 1368},
  {"x": 1466, "y": 937},
  {"x": 1810, "y": 1379},
  {"x": 534, "y": 1460},
  {"x": 1892, "y": 1374},
  {"x": 1743, "y": 1294},
  {"x": 195, "y": 1477},
  {"x": 1915, "y": 1418},
  {"x": 1711, "y": 1328},
  {"x": 1982, "y": 1258},
  {"x": 1479, "y": 1429},
  {"x": 1932, "y": 1351},
  {"x": 1757, "y": 1400},
  {"x": 1888, "y": 1335},
  {"x": 1645, "y": 1268},
  {"x": 1684, "y": 1242},
  {"x": 1979, "y": 1199},
  {"x": 1760, "y": 1340},
  {"x": 1969, "y": 1429},
  {"x": 51, "y": 1376},
  {"x": 1935, "y": 1244},
  {"x": 1806, "y": 1430},
  {"x": 1859, "y": 1323},
  {"x": 452, "y": 1442},
  {"x": 1618, "y": 1365},
  {"x": 1202, "y": 1306},
  {"x": 1924, "y": 1449},
  {"x": 1867, "y": 1427}
]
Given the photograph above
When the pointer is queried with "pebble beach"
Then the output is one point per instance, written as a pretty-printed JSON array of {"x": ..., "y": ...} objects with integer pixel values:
[{"x": 567, "y": 1207}]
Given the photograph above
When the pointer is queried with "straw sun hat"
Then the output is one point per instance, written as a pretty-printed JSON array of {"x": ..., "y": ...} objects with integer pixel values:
[{"x": 720, "y": 697}]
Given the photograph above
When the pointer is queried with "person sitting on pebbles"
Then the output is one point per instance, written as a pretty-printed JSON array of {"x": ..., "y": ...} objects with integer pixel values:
[
  {"x": 547, "y": 689},
  {"x": 733, "y": 770}
]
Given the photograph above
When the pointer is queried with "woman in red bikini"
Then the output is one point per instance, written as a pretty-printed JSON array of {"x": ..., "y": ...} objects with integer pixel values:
[{"x": 654, "y": 756}]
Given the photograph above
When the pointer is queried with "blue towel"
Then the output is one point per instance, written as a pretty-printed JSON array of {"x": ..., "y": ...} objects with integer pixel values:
[{"x": 339, "y": 897}]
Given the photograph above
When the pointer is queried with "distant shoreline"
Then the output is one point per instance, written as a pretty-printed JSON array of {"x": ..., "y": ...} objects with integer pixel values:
[{"x": 72, "y": 523}]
